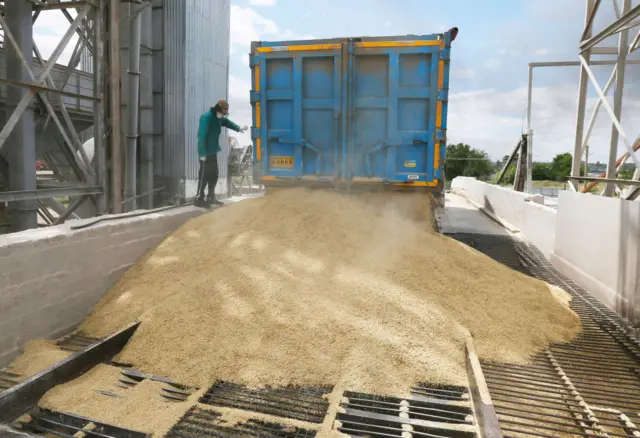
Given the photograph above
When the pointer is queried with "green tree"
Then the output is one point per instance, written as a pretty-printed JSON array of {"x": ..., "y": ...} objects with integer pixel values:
[
  {"x": 463, "y": 160},
  {"x": 541, "y": 172},
  {"x": 561, "y": 167},
  {"x": 625, "y": 173}
]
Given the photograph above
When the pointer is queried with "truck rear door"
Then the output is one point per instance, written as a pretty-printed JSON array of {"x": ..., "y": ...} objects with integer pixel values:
[
  {"x": 394, "y": 88},
  {"x": 297, "y": 102}
]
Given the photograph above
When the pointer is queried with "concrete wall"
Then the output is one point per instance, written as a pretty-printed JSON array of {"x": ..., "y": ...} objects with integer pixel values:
[
  {"x": 534, "y": 220},
  {"x": 51, "y": 278},
  {"x": 598, "y": 246},
  {"x": 591, "y": 239}
]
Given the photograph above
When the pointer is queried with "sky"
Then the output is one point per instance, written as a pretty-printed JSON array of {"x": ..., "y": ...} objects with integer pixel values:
[{"x": 489, "y": 61}]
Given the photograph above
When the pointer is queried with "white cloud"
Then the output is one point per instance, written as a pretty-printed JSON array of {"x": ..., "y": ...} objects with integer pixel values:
[
  {"x": 462, "y": 73},
  {"x": 247, "y": 25},
  {"x": 239, "y": 107},
  {"x": 542, "y": 52},
  {"x": 493, "y": 121},
  {"x": 493, "y": 64},
  {"x": 262, "y": 2}
]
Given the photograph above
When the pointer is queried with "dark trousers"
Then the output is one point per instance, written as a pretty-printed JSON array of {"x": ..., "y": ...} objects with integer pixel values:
[{"x": 208, "y": 176}]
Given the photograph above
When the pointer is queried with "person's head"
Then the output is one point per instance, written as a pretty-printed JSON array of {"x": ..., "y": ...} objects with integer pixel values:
[{"x": 222, "y": 107}]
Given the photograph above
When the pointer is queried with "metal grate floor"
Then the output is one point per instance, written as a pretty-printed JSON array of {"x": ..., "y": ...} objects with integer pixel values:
[
  {"x": 432, "y": 411},
  {"x": 56, "y": 424},
  {"x": 586, "y": 388},
  {"x": 8, "y": 379},
  {"x": 76, "y": 342},
  {"x": 306, "y": 404},
  {"x": 199, "y": 422}
]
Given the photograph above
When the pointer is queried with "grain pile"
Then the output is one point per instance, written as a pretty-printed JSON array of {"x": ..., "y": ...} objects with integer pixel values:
[
  {"x": 313, "y": 287},
  {"x": 37, "y": 355}
]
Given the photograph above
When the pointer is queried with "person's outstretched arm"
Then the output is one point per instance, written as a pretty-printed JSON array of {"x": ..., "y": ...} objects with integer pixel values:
[{"x": 229, "y": 124}]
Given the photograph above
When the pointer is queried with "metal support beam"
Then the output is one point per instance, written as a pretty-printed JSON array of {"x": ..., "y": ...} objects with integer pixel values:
[
  {"x": 41, "y": 88},
  {"x": 610, "y": 30},
  {"x": 614, "y": 119},
  {"x": 529, "y": 134},
  {"x": 21, "y": 154},
  {"x": 70, "y": 209},
  {"x": 592, "y": 7},
  {"x": 116, "y": 146},
  {"x": 131, "y": 175},
  {"x": 623, "y": 48},
  {"x": 57, "y": 192},
  {"x": 606, "y": 180},
  {"x": 27, "y": 97},
  {"x": 99, "y": 145}
]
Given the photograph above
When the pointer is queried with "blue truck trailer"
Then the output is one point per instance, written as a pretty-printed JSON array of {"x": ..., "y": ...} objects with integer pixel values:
[{"x": 351, "y": 112}]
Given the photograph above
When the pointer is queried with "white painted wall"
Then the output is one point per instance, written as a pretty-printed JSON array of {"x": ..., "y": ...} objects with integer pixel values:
[
  {"x": 598, "y": 246},
  {"x": 535, "y": 221},
  {"x": 591, "y": 239}
]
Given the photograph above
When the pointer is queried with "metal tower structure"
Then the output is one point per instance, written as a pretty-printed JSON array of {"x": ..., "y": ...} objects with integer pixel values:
[
  {"x": 626, "y": 28},
  {"x": 38, "y": 108}
]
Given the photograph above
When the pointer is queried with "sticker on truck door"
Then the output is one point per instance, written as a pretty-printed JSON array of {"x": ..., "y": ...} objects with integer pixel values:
[
  {"x": 285, "y": 162},
  {"x": 410, "y": 163}
]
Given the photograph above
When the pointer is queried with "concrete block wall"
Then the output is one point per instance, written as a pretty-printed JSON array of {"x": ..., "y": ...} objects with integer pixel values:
[
  {"x": 598, "y": 246},
  {"x": 50, "y": 278},
  {"x": 535, "y": 221}
]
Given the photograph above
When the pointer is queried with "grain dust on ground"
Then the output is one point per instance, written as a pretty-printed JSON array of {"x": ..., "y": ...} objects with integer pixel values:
[
  {"x": 313, "y": 287},
  {"x": 37, "y": 356}
]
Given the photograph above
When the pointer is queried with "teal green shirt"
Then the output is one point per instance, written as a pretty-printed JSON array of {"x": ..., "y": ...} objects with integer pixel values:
[{"x": 209, "y": 130}]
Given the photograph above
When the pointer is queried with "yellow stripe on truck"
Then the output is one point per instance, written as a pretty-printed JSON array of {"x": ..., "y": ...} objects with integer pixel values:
[
  {"x": 256, "y": 87},
  {"x": 436, "y": 154},
  {"x": 378, "y": 44},
  {"x": 299, "y": 48}
]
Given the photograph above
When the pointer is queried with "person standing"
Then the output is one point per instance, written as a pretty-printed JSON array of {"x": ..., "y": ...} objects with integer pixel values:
[{"x": 209, "y": 129}]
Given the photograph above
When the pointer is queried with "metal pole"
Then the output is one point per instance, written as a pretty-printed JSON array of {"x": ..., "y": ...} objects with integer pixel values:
[
  {"x": 114, "y": 94},
  {"x": 131, "y": 175},
  {"x": 99, "y": 154},
  {"x": 582, "y": 99},
  {"x": 21, "y": 154},
  {"x": 529, "y": 180},
  {"x": 146, "y": 111},
  {"x": 586, "y": 161},
  {"x": 623, "y": 48}
]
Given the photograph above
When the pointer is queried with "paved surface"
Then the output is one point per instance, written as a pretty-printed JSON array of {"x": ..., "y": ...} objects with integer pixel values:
[{"x": 461, "y": 216}]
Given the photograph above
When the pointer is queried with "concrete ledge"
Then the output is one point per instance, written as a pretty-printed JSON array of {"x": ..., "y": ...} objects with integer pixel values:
[
  {"x": 50, "y": 278},
  {"x": 516, "y": 211}
]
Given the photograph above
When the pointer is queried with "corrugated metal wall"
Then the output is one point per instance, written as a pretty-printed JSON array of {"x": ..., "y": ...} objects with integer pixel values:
[
  {"x": 157, "y": 79},
  {"x": 173, "y": 162},
  {"x": 206, "y": 73}
]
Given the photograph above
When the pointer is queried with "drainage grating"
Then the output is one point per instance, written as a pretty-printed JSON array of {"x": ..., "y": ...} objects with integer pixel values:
[
  {"x": 172, "y": 391},
  {"x": 76, "y": 342},
  {"x": 69, "y": 426},
  {"x": 433, "y": 411},
  {"x": 500, "y": 248},
  {"x": 8, "y": 379},
  {"x": 300, "y": 403},
  {"x": 588, "y": 387},
  {"x": 199, "y": 422}
]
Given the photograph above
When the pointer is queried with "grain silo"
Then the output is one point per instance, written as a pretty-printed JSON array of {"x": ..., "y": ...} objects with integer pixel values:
[{"x": 190, "y": 67}]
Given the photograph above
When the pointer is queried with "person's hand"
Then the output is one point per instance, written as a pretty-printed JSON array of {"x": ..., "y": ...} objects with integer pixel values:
[{"x": 244, "y": 128}]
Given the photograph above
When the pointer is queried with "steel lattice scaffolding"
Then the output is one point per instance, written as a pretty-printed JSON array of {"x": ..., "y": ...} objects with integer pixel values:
[
  {"x": 626, "y": 27},
  {"x": 34, "y": 93}
]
